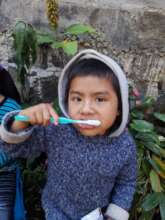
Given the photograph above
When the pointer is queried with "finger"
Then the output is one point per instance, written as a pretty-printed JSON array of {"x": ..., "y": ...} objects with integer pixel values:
[
  {"x": 39, "y": 118},
  {"x": 43, "y": 115},
  {"x": 35, "y": 115},
  {"x": 33, "y": 118},
  {"x": 46, "y": 117},
  {"x": 27, "y": 112},
  {"x": 53, "y": 114}
]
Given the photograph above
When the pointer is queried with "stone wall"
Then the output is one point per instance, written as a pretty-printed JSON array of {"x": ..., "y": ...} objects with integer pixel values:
[{"x": 133, "y": 33}]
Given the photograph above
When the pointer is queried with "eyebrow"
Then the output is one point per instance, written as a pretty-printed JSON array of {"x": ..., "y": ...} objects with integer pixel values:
[{"x": 105, "y": 93}]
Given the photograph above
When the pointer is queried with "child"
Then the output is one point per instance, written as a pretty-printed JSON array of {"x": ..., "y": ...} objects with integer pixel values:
[
  {"x": 90, "y": 168},
  {"x": 9, "y": 197}
]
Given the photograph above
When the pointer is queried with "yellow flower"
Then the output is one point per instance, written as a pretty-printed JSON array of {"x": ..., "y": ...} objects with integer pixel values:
[{"x": 52, "y": 12}]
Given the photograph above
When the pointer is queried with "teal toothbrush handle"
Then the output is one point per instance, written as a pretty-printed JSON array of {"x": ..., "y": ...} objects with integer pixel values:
[
  {"x": 21, "y": 118},
  {"x": 61, "y": 120}
]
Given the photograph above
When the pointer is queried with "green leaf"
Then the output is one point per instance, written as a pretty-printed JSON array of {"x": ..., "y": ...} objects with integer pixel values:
[
  {"x": 160, "y": 164},
  {"x": 24, "y": 43},
  {"x": 70, "y": 47},
  {"x": 77, "y": 29},
  {"x": 142, "y": 126},
  {"x": 56, "y": 106},
  {"x": 57, "y": 45},
  {"x": 160, "y": 116},
  {"x": 44, "y": 39},
  {"x": 18, "y": 44},
  {"x": 145, "y": 167},
  {"x": 162, "y": 206},
  {"x": 147, "y": 215},
  {"x": 156, "y": 167},
  {"x": 19, "y": 26},
  {"x": 137, "y": 114},
  {"x": 148, "y": 102},
  {"x": 150, "y": 201},
  {"x": 148, "y": 137},
  {"x": 155, "y": 181},
  {"x": 29, "y": 52},
  {"x": 32, "y": 43},
  {"x": 155, "y": 148}
]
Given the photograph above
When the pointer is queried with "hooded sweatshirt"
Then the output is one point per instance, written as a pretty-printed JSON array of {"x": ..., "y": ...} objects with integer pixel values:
[{"x": 84, "y": 173}]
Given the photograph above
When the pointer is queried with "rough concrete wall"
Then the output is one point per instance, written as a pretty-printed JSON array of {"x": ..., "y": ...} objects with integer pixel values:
[
  {"x": 31, "y": 11},
  {"x": 134, "y": 34},
  {"x": 133, "y": 30}
]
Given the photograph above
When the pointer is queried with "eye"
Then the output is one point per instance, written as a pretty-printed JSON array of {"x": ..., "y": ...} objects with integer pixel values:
[
  {"x": 100, "y": 99},
  {"x": 76, "y": 99}
]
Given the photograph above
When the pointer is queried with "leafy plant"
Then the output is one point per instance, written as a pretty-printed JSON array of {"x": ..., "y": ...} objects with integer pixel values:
[
  {"x": 149, "y": 201},
  {"x": 25, "y": 45},
  {"x": 68, "y": 45},
  {"x": 27, "y": 39}
]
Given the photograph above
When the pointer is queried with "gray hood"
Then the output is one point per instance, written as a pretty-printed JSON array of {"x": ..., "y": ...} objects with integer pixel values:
[{"x": 88, "y": 54}]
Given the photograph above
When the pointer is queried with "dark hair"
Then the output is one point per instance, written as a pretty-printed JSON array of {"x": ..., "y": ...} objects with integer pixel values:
[
  {"x": 7, "y": 86},
  {"x": 97, "y": 68}
]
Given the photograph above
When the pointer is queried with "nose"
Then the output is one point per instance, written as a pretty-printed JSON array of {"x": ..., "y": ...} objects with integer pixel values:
[{"x": 87, "y": 108}]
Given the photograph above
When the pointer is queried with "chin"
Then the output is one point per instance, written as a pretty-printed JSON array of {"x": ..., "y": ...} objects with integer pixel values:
[{"x": 89, "y": 133}]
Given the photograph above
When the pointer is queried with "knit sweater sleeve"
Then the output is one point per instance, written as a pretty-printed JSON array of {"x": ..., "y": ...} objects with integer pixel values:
[
  {"x": 124, "y": 187},
  {"x": 7, "y": 105},
  {"x": 29, "y": 142}
]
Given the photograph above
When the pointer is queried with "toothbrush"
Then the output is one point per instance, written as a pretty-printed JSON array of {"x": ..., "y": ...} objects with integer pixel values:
[{"x": 62, "y": 120}]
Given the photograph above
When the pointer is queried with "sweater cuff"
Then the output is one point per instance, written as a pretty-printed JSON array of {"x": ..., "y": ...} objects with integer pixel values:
[
  {"x": 11, "y": 137},
  {"x": 95, "y": 214},
  {"x": 116, "y": 212}
]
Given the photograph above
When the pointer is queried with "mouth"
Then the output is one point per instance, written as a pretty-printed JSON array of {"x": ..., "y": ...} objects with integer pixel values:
[
  {"x": 87, "y": 123},
  {"x": 85, "y": 126}
]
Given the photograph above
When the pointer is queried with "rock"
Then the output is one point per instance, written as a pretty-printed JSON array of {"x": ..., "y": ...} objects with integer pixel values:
[
  {"x": 160, "y": 107},
  {"x": 160, "y": 104},
  {"x": 43, "y": 84}
]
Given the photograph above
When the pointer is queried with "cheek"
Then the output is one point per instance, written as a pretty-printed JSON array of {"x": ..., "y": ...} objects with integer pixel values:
[
  {"x": 109, "y": 115},
  {"x": 107, "y": 122},
  {"x": 110, "y": 110},
  {"x": 71, "y": 109}
]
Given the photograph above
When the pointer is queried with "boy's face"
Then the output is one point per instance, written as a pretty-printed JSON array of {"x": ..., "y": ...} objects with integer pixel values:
[{"x": 91, "y": 97}]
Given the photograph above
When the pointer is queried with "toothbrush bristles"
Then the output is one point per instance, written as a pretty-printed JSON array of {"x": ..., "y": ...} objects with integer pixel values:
[{"x": 93, "y": 122}]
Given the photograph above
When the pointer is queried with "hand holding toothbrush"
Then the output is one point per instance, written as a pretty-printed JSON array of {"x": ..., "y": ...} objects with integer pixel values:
[
  {"x": 37, "y": 115},
  {"x": 43, "y": 114}
]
